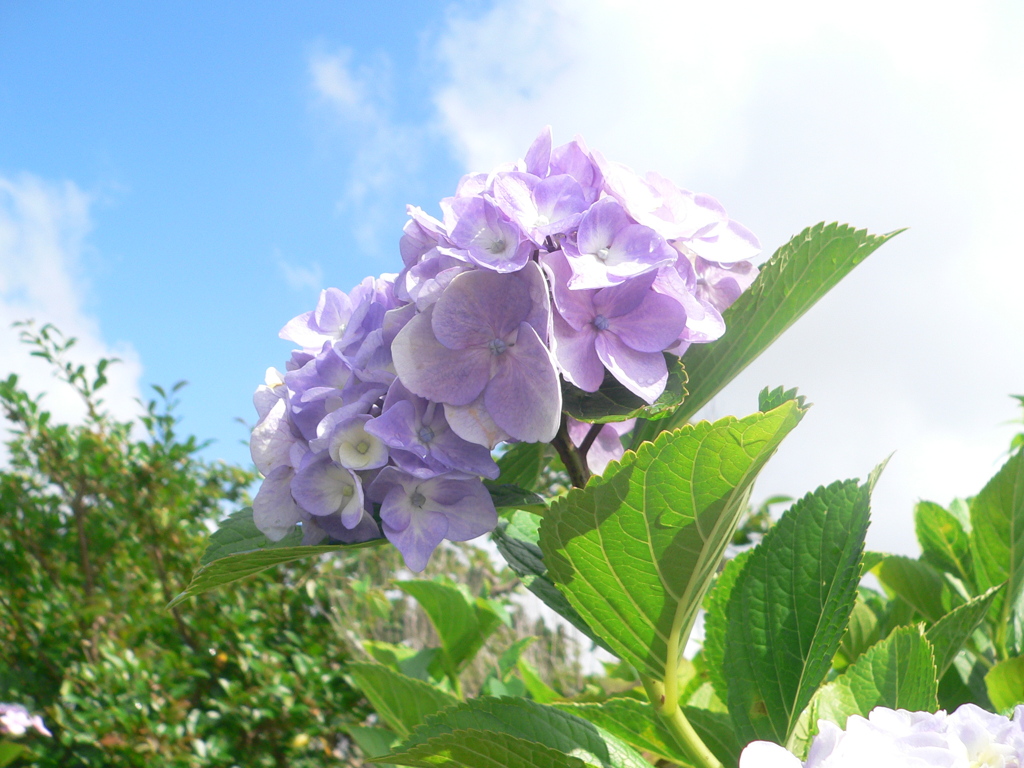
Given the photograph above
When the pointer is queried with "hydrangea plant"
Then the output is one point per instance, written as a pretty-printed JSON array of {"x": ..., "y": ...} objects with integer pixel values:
[{"x": 532, "y": 372}]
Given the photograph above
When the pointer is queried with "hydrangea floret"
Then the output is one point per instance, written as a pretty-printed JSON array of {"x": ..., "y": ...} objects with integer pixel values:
[
  {"x": 970, "y": 737},
  {"x": 544, "y": 273}
]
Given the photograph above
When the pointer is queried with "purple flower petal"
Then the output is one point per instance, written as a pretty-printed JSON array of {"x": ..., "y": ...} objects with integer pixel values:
[
  {"x": 523, "y": 397},
  {"x": 652, "y": 327},
  {"x": 478, "y": 306},
  {"x": 434, "y": 371},
  {"x": 539, "y": 154},
  {"x": 642, "y": 373},
  {"x": 574, "y": 350},
  {"x": 473, "y": 423},
  {"x": 491, "y": 240},
  {"x": 321, "y": 487},
  {"x": 274, "y": 511}
]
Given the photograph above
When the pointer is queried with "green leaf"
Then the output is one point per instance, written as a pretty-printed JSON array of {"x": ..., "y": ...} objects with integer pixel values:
[
  {"x": 997, "y": 550},
  {"x": 471, "y": 748},
  {"x": 1005, "y": 683},
  {"x": 898, "y": 672},
  {"x": 949, "y": 633},
  {"x": 862, "y": 631},
  {"x": 461, "y": 625},
  {"x": 509, "y": 658},
  {"x": 535, "y": 685},
  {"x": 716, "y": 619},
  {"x": 918, "y": 583},
  {"x": 789, "y": 608},
  {"x": 633, "y": 721},
  {"x": 769, "y": 399},
  {"x": 944, "y": 542},
  {"x": 401, "y": 701},
  {"x": 239, "y": 534},
  {"x": 226, "y": 570},
  {"x": 517, "y": 543},
  {"x": 508, "y": 496},
  {"x": 790, "y": 283},
  {"x": 521, "y": 465},
  {"x": 374, "y": 742},
  {"x": 533, "y": 722},
  {"x": 636, "y": 549},
  {"x": 11, "y": 751},
  {"x": 716, "y": 730},
  {"x": 613, "y": 402}
]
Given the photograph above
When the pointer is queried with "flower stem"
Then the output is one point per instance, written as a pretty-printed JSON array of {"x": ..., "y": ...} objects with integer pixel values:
[
  {"x": 570, "y": 456},
  {"x": 687, "y": 739}
]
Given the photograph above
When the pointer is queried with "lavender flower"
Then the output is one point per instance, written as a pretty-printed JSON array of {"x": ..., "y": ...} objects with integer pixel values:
[
  {"x": 623, "y": 328},
  {"x": 387, "y": 411},
  {"x": 417, "y": 514},
  {"x": 15, "y": 720},
  {"x": 968, "y": 738},
  {"x": 481, "y": 350}
]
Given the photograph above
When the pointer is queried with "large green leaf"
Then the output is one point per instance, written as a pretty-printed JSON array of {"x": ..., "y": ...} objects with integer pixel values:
[
  {"x": 462, "y": 625},
  {"x": 716, "y": 620},
  {"x": 997, "y": 549},
  {"x": 613, "y": 402},
  {"x": 473, "y": 748},
  {"x": 517, "y": 543},
  {"x": 239, "y": 534},
  {"x": 918, "y": 583},
  {"x": 636, "y": 549},
  {"x": 538, "y": 723},
  {"x": 789, "y": 609},
  {"x": 944, "y": 542},
  {"x": 717, "y": 732},
  {"x": 401, "y": 701},
  {"x": 1005, "y": 683},
  {"x": 521, "y": 464},
  {"x": 791, "y": 282},
  {"x": 633, "y": 721},
  {"x": 508, "y": 496},
  {"x": 949, "y": 633},
  {"x": 224, "y": 570},
  {"x": 898, "y": 673}
]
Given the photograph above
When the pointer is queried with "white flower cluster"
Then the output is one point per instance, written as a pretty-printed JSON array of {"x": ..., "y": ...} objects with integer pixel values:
[{"x": 968, "y": 738}]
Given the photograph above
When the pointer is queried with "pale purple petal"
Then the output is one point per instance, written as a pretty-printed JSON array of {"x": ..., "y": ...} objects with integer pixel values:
[
  {"x": 651, "y": 327},
  {"x": 419, "y": 536},
  {"x": 491, "y": 240},
  {"x": 575, "y": 307},
  {"x": 364, "y": 530},
  {"x": 767, "y": 754},
  {"x": 642, "y": 373},
  {"x": 729, "y": 242},
  {"x": 274, "y": 511},
  {"x": 600, "y": 225},
  {"x": 434, "y": 371},
  {"x": 524, "y": 397},
  {"x": 321, "y": 487},
  {"x": 574, "y": 350},
  {"x": 539, "y": 154},
  {"x": 478, "y": 306},
  {"x": 467, "y": 504},
  {"x": 272, "y": 438},
  {"x": 473, "y": 423},
  {"x": 348, "y": 443},
  {"x": 623, "y": 298}
]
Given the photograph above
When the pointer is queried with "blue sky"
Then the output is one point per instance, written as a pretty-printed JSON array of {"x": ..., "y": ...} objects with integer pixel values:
[{"x": 176, "y": 183}]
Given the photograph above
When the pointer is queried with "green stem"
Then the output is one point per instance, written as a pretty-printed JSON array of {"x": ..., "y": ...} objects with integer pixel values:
[{"x": 670, "y": 713}]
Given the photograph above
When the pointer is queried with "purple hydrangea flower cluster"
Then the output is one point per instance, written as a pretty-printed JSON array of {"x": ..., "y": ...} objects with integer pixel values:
[
  {"x": 970, "y": 737},
  {"x": 561, "y": 265}
]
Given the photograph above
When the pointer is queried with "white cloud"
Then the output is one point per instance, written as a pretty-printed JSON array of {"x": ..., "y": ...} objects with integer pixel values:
[
  {"x": 884, "y": 114},
  {"x": 301, "y": 278},
  {"x": 43, "y": 231},
  {"x": 337, "y": 84},
  {"x": 384, "y": 151}
]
